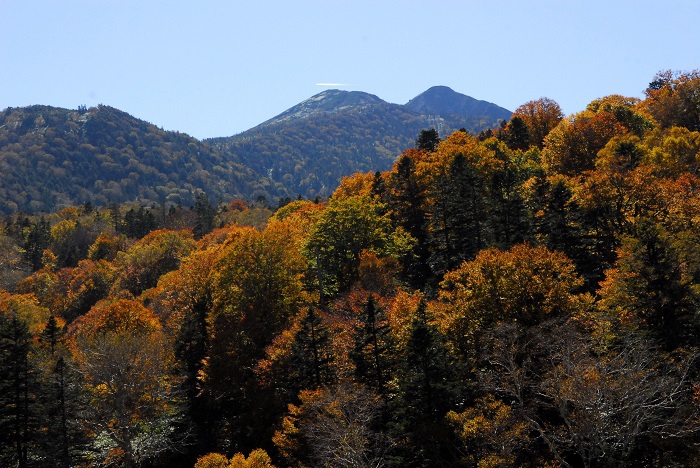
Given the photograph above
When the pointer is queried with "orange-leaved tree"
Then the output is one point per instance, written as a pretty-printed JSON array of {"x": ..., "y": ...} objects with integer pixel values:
[
  {"x": 258, "y": 458},
  {"x": 257, "y": 289},
  {"x": 524, "y": 284},
  {"x": 126, "y": 361},
  {"x": 540, "y": 116}
]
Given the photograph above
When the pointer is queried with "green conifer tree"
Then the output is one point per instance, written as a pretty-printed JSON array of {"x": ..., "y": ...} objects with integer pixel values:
[
  {"x": 407, "y": 205},
  {"x": 17, "y": 392},
  {"x": 310, "y": 354},
  {"x": 373, "y": 350},
  {"x": 426, "y": 391},
  {"x": 458, "y": 228},
  {"x": 37, "y": 240}
]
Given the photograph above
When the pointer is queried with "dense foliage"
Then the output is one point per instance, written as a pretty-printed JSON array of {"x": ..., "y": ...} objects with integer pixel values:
[
  {"x": 525, "y": 297},
  {"x": 53, "y": 158},
  {"x": 310, "y": 155}
]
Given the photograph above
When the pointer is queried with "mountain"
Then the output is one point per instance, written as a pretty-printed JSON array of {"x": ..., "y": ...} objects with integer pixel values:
[
  {"x": 51, "y": 158},
  {"x": 442, "y": 100},
  {"x": 311, "y": 146},
  {"x": 327, "y": 102}
]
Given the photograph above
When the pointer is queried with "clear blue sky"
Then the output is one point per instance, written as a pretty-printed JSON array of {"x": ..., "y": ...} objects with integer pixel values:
[{"x": 216, "y": 68}]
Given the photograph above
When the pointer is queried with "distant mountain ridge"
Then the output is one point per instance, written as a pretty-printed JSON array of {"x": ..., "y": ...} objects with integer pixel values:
[
  {"x": 51, "y": 158},
  {"x": 442, "y": 100},
  {"x": 311, "y": 146},
  {"x": 330, "y": 101},
  {"x": 438, "y": 100}
]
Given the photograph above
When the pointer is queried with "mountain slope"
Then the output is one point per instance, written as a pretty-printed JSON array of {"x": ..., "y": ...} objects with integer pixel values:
[
  {"x": 326, "y": 102},
  {"x": 311, "y": 146},
  {"x": 51, "y": 158},
  {"x": 442, "y": 100}
]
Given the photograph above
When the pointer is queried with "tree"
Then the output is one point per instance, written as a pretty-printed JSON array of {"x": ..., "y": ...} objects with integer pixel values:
[
  {"x": 61, "y": 440},
  {"x": 626, "y": 110},
  {"x": 508, "y": 216},
  {"x": 378, "y": 188},
  {"x": 372, "y": 353},
  {"x": 589, "y": 401},
  {"x": 137, "y": 223},
  {"x": 124, "y": 356},
  {"x": 38, "y": 239},
  {"x": 205, "y": 213},
  {"x": 334, "y": 427},
  {"x": 616, "y": 407},
  {"x": 651, "y": 286},
  {"x": 540, "y": 117},
  {"x": 516, "y": 134},
  {"x": 671, "y": 152},
  {"x": 457, "y": 218},
  {"x": 106, "y": 247},
  {"x": 76, "y": 290},
  {"x": 212, "y": 460},
  {"x": 300, "y": 358},
  {"x": 257, "y": 290},
  {"x": 183, "y": 300},
  {"x": 572, "y": 147},
  {"x": 13, "y": 267},
  {"x": 17, "y": 392},
  {"x": 426, "y": 390},
  {"x": 71, "y": 240},
  {"x": 491, "y": 433},
  {"x": 673, "y": 99},
  {"x": 524, "y": 284},
  {"x": 258, "y": 458},
  {"x": 558, "y": 224},
  {"x": 310, "y": 351},
  {"x": 345, "y": 229},
  {"x": 148, "y": 259},
  {"x": 407, "y": 204},
  {"x": 427, "y": 140}
]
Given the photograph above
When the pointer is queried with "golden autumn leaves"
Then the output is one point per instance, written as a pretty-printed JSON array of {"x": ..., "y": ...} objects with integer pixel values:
[{"x": 555, "y": 306}]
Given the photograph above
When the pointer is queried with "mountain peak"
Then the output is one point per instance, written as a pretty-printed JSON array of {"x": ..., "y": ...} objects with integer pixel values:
[
  {"x": 328, "y": 101},
  {"x": 442, "y": 100}
]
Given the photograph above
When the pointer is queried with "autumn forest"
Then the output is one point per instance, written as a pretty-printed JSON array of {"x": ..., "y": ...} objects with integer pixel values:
[{"x": 527, "y": 295}]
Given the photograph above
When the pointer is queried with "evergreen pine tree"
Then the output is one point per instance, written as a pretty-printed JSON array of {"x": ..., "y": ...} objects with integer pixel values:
[
  {"x": 426, "y": 391},
  {"x": 116, "y": 218},
  {"x": 37, "y": 240},
  {"x": 205, "y": 215},
  {"x": 378, "y": 188},
  {"x": 407, "y": 205},
  {"x": 310, "y": 357},
  {"x": 657, "y": 289},
  {"x": 516, "y": 134},
  {"x": 17, "y": 392},
  {"x": 508, "y": 214},
  {"x": 458, "y": 230},
  {"x": 428, "y": 140},
  {"x": 373, "y": 350},
  {"x": 61, "y": 439},
  {"x": 191, "y": 349}
]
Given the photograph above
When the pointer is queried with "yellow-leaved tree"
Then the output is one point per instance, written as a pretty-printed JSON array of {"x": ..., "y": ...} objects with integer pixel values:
[{"x": 126, "y": 361}]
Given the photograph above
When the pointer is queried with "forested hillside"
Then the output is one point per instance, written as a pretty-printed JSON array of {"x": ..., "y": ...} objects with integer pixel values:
[
  {"x": 52, "y": 158},
  {"x": 525, "y": 297},
  {"x": 310, "y": 147}
]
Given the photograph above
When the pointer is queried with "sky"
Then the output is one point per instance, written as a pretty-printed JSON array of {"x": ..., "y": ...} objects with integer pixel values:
[{"x": 212, "y": 68}]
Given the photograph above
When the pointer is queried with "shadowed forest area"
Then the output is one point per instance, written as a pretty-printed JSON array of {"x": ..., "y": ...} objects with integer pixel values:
[{"x": 527, "y": 296}]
